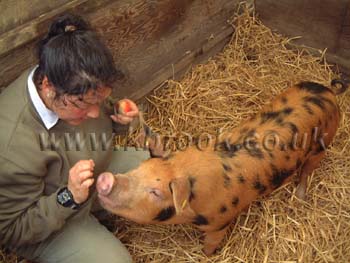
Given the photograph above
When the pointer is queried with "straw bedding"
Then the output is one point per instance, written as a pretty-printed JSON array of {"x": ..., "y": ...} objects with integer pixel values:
[{"x": 254, "y": 66}]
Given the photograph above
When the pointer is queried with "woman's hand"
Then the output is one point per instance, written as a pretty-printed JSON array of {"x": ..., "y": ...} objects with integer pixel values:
[
  {"x": 127, "y": 116},
  {"x": 80, "y": 179}
]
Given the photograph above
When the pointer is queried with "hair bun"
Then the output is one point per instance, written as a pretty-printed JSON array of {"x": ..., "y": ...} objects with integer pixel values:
[
  {"x": 67, "y": 23},
  {"x": 70, "y": 28},
  {"x": 61, "y": 25}
]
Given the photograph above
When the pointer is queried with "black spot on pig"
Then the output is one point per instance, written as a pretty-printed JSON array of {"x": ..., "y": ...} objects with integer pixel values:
[
  {"x": 223, "y": 209},
  {"x": 287, "y": 157},
  {"x": 165, "y": 214},
  {"x": 251, "y": 133},
  {"x": 316, "y": 101},
  {"x": 287, "y": 111},
  {"x": 298, "y": 164},
  {"x": 317, "y": 138},
  {"x": 329, "y": 102},
  {"x": 292, "y": 127},
  {"x": 227, "y": 167},
  {"x": 313, "y": 87},
  {"x": 293, "y": 142},
  {"x": 226, "y": 149},
  {"x": 261, "y": 188},
  {"x": 308, "y": 109},
  {"x": 241, "y": 179},
  {"x": 191, "y": 180},
  {"x": 271, "y": 155},
  {"x": 227, "y": 180},
  {"x": 200, "y": 220},
  {"x": 269, "y": 115},
  {"x": 283, "y": 147},
  {"x": 279, "y": 176},
  {"x": 169, "y": 156},
  {"x": 235, "y": 201},
  {"x": 255, "y": 152},
  {"x": 158, "y": 180},
  {"x": 284, "y": 100},
  {"x": 320, "y": 146},
  {"x": 275, "y": 115},
  {"x": 252, "y": 147},
  {"x": 279, "y": 121}
]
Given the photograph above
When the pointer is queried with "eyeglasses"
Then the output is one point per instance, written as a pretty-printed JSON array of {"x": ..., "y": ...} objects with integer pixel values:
[{"x": 82, "y": 102}]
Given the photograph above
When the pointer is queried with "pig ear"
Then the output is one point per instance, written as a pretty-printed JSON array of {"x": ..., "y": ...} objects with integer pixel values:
[{"x": 181, "y": 189}]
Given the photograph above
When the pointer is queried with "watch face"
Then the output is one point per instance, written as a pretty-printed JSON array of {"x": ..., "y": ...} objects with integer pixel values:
[{"x": 64, "y": 197}]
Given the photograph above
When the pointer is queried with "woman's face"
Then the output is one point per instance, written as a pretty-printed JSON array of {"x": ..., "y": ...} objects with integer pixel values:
[{"x": 75, "y": 109}]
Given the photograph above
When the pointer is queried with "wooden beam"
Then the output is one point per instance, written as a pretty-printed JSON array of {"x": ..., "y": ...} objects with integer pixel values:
[
  {"x": 209, "y": 47},
  {"x": 320, "y": 24},
  {"x": 151, "y": 41},
  {"x": 317, "y": 22},
  {"x": 29, "y": 31},
  {"x": 16, "y": 13},
  {"x": 155, "y": 41},
  {"x": 343, "y": 43}
]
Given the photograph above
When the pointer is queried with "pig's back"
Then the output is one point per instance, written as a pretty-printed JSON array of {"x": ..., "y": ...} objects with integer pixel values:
[
  {"x": 259, "y": 155},
  {"x": 266, "y": 150}
]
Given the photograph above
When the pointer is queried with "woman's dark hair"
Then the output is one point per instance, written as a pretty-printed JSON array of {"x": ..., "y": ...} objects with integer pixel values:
[{"x": 73, "y": 58}]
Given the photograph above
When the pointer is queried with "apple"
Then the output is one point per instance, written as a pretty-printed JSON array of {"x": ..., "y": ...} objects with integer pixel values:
[{"x": 124, "y": 106}]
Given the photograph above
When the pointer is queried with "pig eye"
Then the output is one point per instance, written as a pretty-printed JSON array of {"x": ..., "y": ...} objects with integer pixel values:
[{"x": 154, "y": 192}]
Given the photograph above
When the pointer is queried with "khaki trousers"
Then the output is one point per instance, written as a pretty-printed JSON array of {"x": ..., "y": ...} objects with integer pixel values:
[{"x": 83, "y": 239}]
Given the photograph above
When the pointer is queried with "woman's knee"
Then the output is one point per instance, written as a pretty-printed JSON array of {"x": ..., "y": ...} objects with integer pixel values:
[{"x": 86, "y": 242}]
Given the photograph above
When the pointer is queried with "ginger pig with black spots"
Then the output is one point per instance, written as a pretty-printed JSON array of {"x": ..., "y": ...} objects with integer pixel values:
[{"x": 209, "y": 187}]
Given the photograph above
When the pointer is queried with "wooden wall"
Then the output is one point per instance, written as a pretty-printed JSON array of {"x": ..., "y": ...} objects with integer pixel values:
[
  {"x": 151, "y": 41},
  {"x": 320, "y": 23},
  {"x": 19, "y": 12},
  {"x": 154, "y": 40}
]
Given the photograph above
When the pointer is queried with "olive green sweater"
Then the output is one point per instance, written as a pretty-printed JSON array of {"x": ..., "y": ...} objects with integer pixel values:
[{"x": 32, "y": 170}]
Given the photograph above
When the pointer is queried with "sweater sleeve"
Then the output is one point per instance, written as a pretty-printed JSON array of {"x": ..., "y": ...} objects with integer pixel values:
[{"x": 27, "y": 216}]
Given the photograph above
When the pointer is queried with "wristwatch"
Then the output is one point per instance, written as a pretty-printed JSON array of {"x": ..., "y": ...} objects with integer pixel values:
[{"x": 65, "y": 198}]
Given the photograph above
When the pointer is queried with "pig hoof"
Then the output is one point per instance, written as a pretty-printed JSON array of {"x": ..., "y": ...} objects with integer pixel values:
[
  {"x": 209, "y": 251},
  {"x": 300, "y": 193}
]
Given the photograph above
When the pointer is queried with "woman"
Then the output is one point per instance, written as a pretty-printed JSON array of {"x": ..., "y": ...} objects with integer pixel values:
[{"x": 55, "y": 138}]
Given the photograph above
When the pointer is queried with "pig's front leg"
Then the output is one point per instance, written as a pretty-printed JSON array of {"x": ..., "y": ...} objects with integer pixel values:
[{"x": 212, "y": 240}]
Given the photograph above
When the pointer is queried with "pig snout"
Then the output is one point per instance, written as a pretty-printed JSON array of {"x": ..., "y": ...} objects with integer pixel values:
[{"x": 105, "y": 183}]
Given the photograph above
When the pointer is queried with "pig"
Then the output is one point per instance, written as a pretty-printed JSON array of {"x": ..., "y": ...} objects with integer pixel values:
[{"x": 210, "y": 186}]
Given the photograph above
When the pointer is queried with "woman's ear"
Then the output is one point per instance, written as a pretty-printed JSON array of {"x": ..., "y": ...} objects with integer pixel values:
[{"x": 47, "y": 88}]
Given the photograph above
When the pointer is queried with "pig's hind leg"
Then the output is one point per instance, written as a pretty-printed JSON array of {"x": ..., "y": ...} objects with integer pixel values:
[{"x": 306, "y": 169}]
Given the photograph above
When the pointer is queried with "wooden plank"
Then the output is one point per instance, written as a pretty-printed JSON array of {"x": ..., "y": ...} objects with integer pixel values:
[
  {"x": 318, "y": 22},
  {"x": 343, "y": 44},
  {"x": 156, "y": 43},
  {"x": 16, "y": 13},
  {"x": 339, "y": 64},
  {"x": 27, "y": 32},
  {"x": 176, "y": 70},
  {"x": 150, "y": 40}
]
